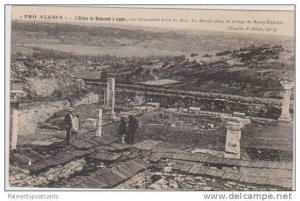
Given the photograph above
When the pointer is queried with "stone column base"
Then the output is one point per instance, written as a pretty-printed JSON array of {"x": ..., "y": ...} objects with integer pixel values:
[{"x": 232, "y": 155}]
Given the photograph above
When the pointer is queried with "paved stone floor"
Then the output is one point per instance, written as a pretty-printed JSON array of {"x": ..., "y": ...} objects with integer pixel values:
[{"x": 105, "y": 163}]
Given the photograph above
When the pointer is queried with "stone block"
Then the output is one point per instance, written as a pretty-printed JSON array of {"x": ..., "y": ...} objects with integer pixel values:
[
  {"x": 253, "y": 179},
  {"x": 194, "y": 110},
  {"x": 219, "y": 173},
  {"x": 227, "y": 175},
  {"x": 173, "y": 125},
  {"x": 271, "y": 181},
  {"x": 238, "y": 114},
  {"x": 90, "y": 123},
  {"x": 276, "y": 165},
  {"x": 259, "y": 164},
  {"x": 236, "y": 176},
  {"x": 206, "y": 188},
  {"x": 227, "y": 185},
  {"x": 178, "y": 166},
  {"x": 194, "y": 169},
  {"x": 245, "y": 178},
  {"x": 270, "y": 164},
  {"x": 287, "y": 184},
  {"x": 211, "y": 172},
  {"x": 210, "y": 126},
  {"x": 289, "y": 166},
  {"x": 283, "y": 165},
  {"x": 186, "y": 168},
  {"x": 245, "y": 163},
  {"x": 202, "y": 170},
  {"x": 140, "y": 109},
  {"x": 261, "y": 180},
  {"x": 232, "y": 183},
  {"x": 154, "y": 105},
  {"x": 204, "y": 159},
  {"x": 167, "y": 169}
]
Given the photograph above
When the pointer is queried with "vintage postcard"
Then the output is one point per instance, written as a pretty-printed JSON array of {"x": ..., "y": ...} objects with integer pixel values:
[{"x": 151, "y": 98}]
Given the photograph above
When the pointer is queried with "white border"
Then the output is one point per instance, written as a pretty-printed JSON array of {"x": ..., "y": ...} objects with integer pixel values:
[
  {"x": 7, "y": 86},
  {"x": 128, "y": 195}
]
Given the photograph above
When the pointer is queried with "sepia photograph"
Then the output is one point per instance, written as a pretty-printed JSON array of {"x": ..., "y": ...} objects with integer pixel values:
[{"x": 156, "y": 99}]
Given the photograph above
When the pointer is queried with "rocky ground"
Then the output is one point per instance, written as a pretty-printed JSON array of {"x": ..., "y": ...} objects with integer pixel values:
[{"x": 177, "y": 181}]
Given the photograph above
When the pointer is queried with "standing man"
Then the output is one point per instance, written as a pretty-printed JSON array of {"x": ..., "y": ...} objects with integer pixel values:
[
  {"x": 132, "y": 127},
  {"x": 123, "y": 129},
  {"x": 75, "y": 126},
  {"x": 69, "y": 124}
]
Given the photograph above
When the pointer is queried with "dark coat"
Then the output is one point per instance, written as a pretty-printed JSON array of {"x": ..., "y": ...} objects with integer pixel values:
[
  {"x": 68, "y": 121},
  {"x": 122, "y": 128},
  {"x": 132, "y": 124}
]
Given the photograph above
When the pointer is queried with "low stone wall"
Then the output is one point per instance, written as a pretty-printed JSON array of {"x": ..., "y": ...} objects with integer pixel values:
[
  {"x": 34, "y": 112},
  {"x": 90, "y": 98},
  {"x": 216, "y": 102},
  {"x": 256, "y": 107}
]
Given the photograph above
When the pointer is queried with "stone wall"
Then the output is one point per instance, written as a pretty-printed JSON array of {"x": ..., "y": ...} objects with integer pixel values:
[
  {"x": 34, "y": 112},
  {"x": 89, "y": 98},
  {"x": 251, "y": 107}
]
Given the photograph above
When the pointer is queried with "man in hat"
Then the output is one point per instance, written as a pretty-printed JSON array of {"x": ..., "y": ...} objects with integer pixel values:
[{"x": 68, "y": 124}]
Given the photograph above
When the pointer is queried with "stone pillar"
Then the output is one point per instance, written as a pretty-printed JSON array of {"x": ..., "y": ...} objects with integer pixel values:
[
  {"x": 233, "y": 136},
  {"x": 113, "y": 97},
  {"x": 14, "y": 125},
  {"x": 15, "y": 113},
  {"x": 104, "y": 98},
  {"x": 99, "y": 124},
  {"x": 285, "y": 108},
  {"x": 110, "y": 96}
]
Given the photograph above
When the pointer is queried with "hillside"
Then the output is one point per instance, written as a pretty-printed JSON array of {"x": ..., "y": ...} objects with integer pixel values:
[
  {"x": 247, "y": 65},
  {"x": 96, "y": 40}
]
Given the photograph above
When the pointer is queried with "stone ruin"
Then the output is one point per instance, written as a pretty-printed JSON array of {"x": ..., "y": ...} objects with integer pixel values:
[
  {"x": 15, "y": 113},
  {"x": 99, "y": 124},
  {"x": 110, "y": 96},
  {"x": 233, "y": 135},
  {"x": 285, "y": 108},
  {"x": 234, "y": 123}
]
